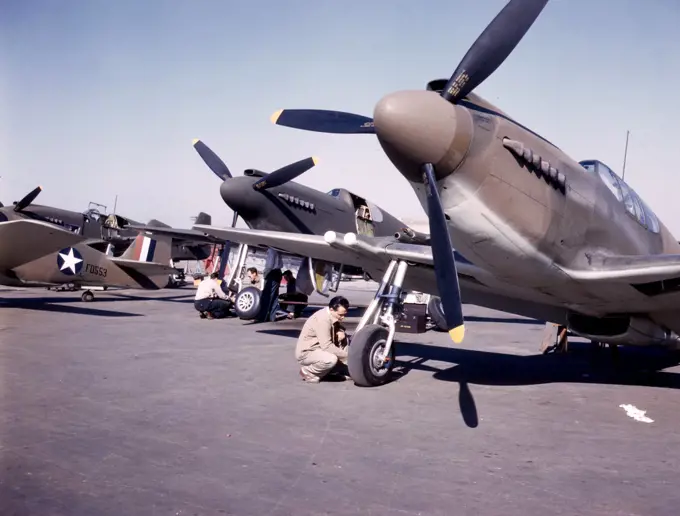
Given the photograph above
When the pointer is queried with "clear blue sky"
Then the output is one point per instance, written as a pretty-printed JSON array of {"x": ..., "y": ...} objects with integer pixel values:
[{"x": 104, "y": 97}]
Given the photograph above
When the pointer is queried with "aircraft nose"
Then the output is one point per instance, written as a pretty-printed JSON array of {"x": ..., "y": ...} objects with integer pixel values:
[
  {"x": 416, "y": 127},
  {"x": 237, "y": 193}
]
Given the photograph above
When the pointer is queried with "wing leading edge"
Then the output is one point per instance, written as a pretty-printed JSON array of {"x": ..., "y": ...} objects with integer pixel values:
[
  {"x": 23, "y": 241},
  {"x": 348, "y": 249}
]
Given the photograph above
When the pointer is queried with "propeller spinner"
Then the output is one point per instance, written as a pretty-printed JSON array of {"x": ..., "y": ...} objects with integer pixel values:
[{"x": 485, "y": 55}]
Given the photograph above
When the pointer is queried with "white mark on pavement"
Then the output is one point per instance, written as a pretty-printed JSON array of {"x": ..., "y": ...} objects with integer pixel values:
[{"x": 636, "y": 413}]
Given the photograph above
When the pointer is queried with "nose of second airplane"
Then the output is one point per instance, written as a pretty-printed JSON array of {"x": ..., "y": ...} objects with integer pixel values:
[
  {"x": 416, "y": 127},
  {"x": 238, "y": 194}
]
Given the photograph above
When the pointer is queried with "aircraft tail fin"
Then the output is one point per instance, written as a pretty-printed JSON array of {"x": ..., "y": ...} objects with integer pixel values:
[
  {"x": 203, "y": 218},
  {"x": 148, "y": 260},
  {"x": 150, "y": 249},
  {"x": 157, "y": 224}
]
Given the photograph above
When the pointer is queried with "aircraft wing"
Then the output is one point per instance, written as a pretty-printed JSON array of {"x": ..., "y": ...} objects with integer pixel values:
[
  {"x": 348, "y": 249},
  {"x": 373, "y": 254},
  {"x": 315, "y": 246},
  {"x": 22, "y": 241},
  {"x": 185, "y": 235}
]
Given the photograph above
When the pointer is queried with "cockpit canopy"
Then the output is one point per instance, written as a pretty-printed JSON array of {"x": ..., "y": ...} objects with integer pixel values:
[
  {"x": 635, "y": 206},
  {"x": 356, "y": 202}
]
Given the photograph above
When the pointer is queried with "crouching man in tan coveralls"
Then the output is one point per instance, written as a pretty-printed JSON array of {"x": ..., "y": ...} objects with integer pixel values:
[{"x": 323, "y": 342}]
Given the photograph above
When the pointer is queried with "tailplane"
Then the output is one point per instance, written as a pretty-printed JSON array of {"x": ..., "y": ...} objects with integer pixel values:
[
  {"x": 148, "y": 260},
  {"x": 203, "y": 218}
]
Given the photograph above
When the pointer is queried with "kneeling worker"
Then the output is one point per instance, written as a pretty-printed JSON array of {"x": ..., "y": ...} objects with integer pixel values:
[
  {"x": 323, "y": 342},
  {"x": 210, "y": 300}
]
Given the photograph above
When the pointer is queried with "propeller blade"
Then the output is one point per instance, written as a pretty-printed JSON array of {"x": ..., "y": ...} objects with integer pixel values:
[
  {"x": 233, "y": 222},
  {"x": 28, "y": 199},
  {"x": 212, "y": 160},
  {"x": 444, "y": 261},
  {"x": 323, "y": 121},
  {"x": 492, "y": 47},
  {"x": 285, "y": 174}
]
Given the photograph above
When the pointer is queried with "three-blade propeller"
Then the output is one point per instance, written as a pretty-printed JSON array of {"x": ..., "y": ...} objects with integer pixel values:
[
  {"x": 485, "y": 55},
  {"x": 276, "y": 178}
]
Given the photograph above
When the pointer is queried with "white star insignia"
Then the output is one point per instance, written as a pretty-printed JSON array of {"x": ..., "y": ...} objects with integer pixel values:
[{"x": 70, "y": 261}]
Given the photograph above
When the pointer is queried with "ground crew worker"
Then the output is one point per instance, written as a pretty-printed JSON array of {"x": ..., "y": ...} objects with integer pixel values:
[
  {"x": 210, "y": 300},
  {"x": 255, "y": 279},
  {"x": 323, "y": 342}
]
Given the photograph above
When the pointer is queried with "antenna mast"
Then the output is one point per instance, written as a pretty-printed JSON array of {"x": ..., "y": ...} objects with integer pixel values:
[{"x": 625, "y": 155}]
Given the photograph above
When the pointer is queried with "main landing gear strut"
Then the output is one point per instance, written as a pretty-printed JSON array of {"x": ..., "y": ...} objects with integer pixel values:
[{"x": 371, "y": 352}]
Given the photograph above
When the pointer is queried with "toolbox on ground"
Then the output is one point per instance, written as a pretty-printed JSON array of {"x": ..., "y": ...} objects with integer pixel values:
[{"x": 414, "y": 318}]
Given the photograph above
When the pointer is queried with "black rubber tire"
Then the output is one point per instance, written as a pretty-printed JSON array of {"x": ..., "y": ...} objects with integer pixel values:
[
  {"x": 360, "y": 353},
  {"x": 87, "y": 297},
  {"x": 434, "y": 308},
  {"x": 247, "y": 303}
]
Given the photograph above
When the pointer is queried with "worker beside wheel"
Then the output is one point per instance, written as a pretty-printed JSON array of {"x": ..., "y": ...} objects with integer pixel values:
[
  {"x": 322, "y": 346},
  {"x": 211, "y": 301}
]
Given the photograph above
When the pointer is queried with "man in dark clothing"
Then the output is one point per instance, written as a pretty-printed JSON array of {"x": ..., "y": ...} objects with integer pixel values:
[
  {"x": 270, "y": 310},
  {"x": 292, "y": 295}
]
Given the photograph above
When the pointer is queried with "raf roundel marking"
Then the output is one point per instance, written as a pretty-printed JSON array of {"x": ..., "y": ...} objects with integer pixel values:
[{"x": 70, "y": 261}]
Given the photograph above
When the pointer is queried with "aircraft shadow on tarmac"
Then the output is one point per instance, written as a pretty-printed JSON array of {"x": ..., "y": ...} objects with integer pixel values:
[
  {"x": 53, "y": 305},
  {"x": 581, "y": 364}
]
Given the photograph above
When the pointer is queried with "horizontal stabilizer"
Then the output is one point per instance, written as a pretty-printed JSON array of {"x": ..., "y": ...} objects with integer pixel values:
[
  {"x": 148, "y": 275},
  {"x": 147, "y": 261},
  {"x": 22, "y": 241},
  {"x": 146, "y": 268},
  {"x": 203, "y": 218}
]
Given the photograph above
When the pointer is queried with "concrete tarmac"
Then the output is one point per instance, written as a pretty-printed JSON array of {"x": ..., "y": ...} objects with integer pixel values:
[{"x": 132, "y": 405}]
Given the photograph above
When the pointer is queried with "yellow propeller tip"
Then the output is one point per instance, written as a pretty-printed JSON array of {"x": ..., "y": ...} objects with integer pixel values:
[
  {"x": 276, "y": 116},
  {"x": 457, "y": 334},
  {"x": 195, "y": 141},
  {"x": 315, "y": 160}
]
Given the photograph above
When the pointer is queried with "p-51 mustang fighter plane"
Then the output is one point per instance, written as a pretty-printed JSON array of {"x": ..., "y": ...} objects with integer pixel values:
[
  {"x": 108, "y": 234},
  {"x": 38, "y": 254},
  {"x": 536, "y": 233},
  {"x": 273, "y": 201}
]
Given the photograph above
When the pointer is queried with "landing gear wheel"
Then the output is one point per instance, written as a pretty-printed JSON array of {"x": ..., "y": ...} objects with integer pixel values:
[
  {"x": 247, "y": 303},
  {"x": 434, "y": 308},
  {"x": 87, "y": 296},
  {"x": 364, "y": 354}
]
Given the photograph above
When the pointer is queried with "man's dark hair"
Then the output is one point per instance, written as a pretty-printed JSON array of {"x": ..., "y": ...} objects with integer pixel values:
[
  {"x": 288, "y": 273},
  {"x": 337, "y": 302},
  {"x": 252, "y": 269},
  {"x": 214, "y": 275}
]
